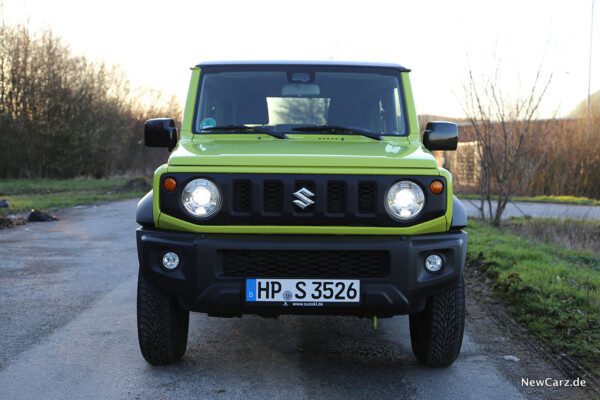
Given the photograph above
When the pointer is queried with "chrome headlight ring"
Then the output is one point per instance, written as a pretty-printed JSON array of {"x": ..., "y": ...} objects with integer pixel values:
[
  {"x": 404, "y": 200},
  {"x": 201, "y": 198}
]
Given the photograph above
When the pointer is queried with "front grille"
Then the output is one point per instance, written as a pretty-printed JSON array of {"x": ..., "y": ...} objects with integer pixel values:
[
  {"x": 304, "y": 264},
  {"x": 366, "y": 197},
  {"x": 242, "y": 196},
  {"x": 336, "y": 197},
  {"x": 272, "y": 199},
  {"x": 310, "y": 186},
  {"x": 273, "y": 196}
]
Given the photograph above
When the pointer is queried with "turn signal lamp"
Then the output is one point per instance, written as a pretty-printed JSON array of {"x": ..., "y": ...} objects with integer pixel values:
[
  {"x": 436, "y": 187},
  {"x": 169, "y": 184}
]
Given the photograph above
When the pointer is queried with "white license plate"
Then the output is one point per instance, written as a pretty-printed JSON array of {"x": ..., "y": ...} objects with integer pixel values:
[{"x": 303, "y": 290}]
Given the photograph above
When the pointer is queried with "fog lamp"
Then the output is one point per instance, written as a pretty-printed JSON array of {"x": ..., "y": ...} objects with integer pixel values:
[
  {"x": 433, "y": 263},
  {"x": 170, "y": 260}
]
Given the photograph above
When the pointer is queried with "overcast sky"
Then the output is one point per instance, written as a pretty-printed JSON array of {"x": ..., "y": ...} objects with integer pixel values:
[{"x": 155, "y": 42}]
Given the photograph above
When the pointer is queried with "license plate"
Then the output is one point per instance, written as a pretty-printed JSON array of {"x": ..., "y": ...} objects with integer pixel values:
[{"x": 303, "y": 290}]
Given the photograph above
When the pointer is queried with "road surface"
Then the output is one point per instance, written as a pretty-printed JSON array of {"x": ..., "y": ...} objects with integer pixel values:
[
  {"x": 68, "y": 331},
  {"x": 539, "y": 210}
]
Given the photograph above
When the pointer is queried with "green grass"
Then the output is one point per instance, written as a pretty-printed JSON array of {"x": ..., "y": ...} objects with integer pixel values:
[
  {"x": 543, "y": 199},
  {"x": 47, "y": 194},
  {"x": 551, "y": 289}
]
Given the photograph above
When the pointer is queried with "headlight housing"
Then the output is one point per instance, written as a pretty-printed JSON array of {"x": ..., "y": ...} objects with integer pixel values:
[
  {"x": 404, "y": 200},
  {"x": 201, "y": 198}
]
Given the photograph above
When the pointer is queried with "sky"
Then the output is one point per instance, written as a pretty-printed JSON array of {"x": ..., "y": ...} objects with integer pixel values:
[{"x": 155, "y": 42}]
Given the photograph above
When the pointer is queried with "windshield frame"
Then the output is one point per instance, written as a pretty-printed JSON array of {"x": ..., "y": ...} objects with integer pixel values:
[{"x": 394, "y": 72}]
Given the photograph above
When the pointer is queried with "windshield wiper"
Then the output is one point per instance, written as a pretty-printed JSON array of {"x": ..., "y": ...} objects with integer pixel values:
[
  {"x": 260, "y": 129},
  {"x": 334, "y": 128}
]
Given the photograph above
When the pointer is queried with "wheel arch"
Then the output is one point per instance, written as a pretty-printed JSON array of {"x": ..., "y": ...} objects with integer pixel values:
[
  {"x": 143, "y": 213},
  {"x": 459, "y": 214}
]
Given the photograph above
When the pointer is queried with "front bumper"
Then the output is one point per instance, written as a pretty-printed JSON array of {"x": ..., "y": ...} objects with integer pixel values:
[{"x": 201, "y": 284}]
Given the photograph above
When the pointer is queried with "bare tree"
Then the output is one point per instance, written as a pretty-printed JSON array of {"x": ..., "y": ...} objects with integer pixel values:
[
  {"x": 509, "y": 134},
  {"x": 63, "y": 116}
]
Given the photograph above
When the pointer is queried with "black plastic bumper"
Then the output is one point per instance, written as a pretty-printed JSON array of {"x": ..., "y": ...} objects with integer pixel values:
[{"x": 200, "y": 285}]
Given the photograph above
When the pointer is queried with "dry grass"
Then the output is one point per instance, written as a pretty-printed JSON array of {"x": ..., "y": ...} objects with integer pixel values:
[{"x": 573, "y": 233}]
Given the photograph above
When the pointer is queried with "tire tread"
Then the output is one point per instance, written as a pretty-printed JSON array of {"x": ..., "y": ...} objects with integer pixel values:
[
  {"x": 437, "y": 332},
  {"x": 162, "y": 324}
]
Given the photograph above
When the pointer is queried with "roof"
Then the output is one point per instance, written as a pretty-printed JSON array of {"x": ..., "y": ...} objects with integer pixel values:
[{"x": 303, "y": 63}]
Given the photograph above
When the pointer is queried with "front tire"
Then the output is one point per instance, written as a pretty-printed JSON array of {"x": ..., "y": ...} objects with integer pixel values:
[
  {"x": 436, "y": 333},
  {"x": 162, "y": 324}
]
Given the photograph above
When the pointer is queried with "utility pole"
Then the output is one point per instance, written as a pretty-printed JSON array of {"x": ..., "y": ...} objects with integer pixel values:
[{"x": 589, "y": 126}]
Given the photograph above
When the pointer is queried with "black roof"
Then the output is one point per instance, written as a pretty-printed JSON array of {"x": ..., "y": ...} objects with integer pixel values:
[{"x": 303, "y": 63}]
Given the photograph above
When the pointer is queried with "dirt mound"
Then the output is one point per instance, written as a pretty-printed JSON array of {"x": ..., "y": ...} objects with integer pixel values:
[
  {"x": 11, "y": 220},
  {"x": 5, "y": 222}
]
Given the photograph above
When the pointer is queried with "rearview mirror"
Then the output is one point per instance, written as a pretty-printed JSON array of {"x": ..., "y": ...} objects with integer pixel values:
[
  {"x": 300, "y": 89},
  {"x": 440, "y": 136},
  {"x": 160, "y": 132}
]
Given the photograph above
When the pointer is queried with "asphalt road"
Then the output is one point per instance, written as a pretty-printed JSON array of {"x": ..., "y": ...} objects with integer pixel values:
[
  {"x": 68, "y": 331},
  {"x": 539, "y": 210}
]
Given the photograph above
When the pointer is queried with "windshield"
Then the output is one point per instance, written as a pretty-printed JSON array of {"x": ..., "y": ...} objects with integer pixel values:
[{"x": 283, "y": 98}]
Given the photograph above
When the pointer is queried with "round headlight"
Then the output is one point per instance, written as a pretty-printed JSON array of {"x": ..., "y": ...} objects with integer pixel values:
[
  {"x": 201, "y": 198},
  {"x": 404, "y": 200}
]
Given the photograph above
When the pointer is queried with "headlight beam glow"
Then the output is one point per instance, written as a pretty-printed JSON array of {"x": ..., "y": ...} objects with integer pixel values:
[
  {"x": 404, "y": 200},
  {"x": 201, "y": 198}
]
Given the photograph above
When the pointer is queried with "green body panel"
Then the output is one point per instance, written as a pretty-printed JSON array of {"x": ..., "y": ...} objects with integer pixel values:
[
  {"x": 190, "y": 104},
  {"x": 156, "y": 190},
  {"x": 324, "y": 151},
  {"x": 301, "y": 154},
  {"x": 414, "y": 133},
  {"x": 450, "y": 198},
  {"x": 303, "y": 170},
  {"x": 433, "y": 226}
]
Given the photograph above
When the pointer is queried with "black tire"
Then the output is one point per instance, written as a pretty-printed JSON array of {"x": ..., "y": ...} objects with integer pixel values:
[
  {"x": 436, "y": 333},
  {"x": 162, "y": 324}
]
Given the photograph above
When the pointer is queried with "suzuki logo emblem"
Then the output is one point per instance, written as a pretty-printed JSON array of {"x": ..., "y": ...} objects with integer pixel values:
[{"x": 303, "y": 199}]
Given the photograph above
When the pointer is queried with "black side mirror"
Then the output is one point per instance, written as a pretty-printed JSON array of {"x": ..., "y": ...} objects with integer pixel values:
[
  {"x": 160, "y": 132},
  {"x": 440, "y": 136}
]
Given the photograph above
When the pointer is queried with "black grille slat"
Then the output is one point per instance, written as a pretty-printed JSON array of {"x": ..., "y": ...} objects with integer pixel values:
[
  {"x": 242, "y": 196},
  {"x": 367, "y": 197},
  {"x": 300, "y": 264},
  {"x": 273, "y": 196},
  {"x": 336, "y": 197}
]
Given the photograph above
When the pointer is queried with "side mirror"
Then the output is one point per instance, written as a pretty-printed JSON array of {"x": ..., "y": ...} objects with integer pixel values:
[
  {"x": 160, "y": 132},
  {"x": 440, "y": 136}
]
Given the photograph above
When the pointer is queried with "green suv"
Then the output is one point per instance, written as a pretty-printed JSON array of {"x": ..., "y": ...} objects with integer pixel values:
[{"x": 301, "y": 188}]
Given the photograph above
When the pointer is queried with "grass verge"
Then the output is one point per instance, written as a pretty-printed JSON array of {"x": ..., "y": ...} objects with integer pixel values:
[
  {"x": 46, "y": 194},
  {"x": 577, "y": 234},
  {"x": 553, "y": 290},
  {"x": 542, "y": 199}
]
